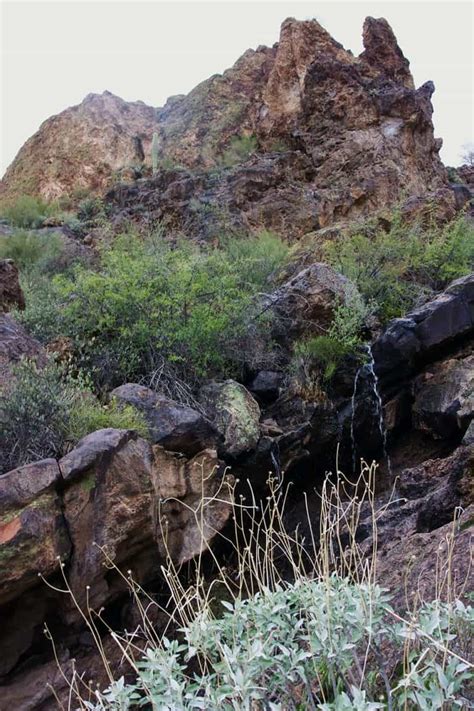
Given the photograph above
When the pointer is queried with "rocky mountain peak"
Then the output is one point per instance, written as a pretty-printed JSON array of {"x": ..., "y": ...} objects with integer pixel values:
[
  {"x": 382, "y": 52},
  {"x": 339, "y": 135}
]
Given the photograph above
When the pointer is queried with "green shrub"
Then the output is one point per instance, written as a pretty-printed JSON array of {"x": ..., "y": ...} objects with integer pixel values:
[
  {"x": 88, "y": 415},
  {"x": 239, "y": 150},
  {"x": 31, "y": 251},
  {"x": 319, "y": 356},
  {"x": 26, "y": 211},
  {"x": 310, "y": 645},
  {"x": 46, "y": 410},
  {"x": 396, "y": 269},
  {"x": 151, "y": 302}
]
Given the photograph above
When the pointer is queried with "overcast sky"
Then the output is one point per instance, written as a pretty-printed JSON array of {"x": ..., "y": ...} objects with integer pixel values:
[{"x": 54, "y": 53}]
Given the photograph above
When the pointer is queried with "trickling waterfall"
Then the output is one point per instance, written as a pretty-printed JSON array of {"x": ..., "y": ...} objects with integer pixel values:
[
  {"x": 382, "y": 428},
  {"x": 353, "y": 402},
  {"x": 383, "y": 432},
  {"x": 275, "y": 457}
]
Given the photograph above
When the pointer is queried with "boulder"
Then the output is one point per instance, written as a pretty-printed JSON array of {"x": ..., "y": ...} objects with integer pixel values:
[
  {"x": 304, "y": 305},
  {"x": 108, "y": 505},
  {"x": 235, "y": 414},
  {"x": 444, "y": 398},
  {"x": 33, "y": 532},
  {"x": 418, "y": 337},
  {"x": 266, "y": 385},
  {"x": 15, "y": 344},
  {"x": 11, "y": 295},
  {"x": 176, "y": 427}
]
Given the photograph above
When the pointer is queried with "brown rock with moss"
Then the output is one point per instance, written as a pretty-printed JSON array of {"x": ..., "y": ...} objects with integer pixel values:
[{"x": 33, "y": 533}]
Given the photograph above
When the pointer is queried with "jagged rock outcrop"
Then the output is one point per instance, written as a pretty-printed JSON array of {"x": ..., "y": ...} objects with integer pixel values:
[{"x": 316, "y": 113}]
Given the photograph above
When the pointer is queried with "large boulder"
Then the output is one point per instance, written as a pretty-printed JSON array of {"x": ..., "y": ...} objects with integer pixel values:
[
  {"x": 235, "y": 414},
  {"x": 176, "y": 427},
  {"x": 15, "y": 344},
  {"x": 305, "y": 304},
  {"x": 408, "y": 342},
  {"x": 11, "y": 295},
  {"x": 444, "y": 398},
  {"x": 33, "y": 532}
]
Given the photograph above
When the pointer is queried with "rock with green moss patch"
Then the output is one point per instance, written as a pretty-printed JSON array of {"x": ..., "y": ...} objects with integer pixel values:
[
  {"x": 235, "y": 414},
  {"x": 32, "y": 530}
]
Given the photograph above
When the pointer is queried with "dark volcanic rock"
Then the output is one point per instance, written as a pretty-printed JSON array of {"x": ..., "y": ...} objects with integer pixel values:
[
  {"x": 419, "y": 336},
  {"x": 444, "y": 398},
  {"x": 176, "y": 427}
]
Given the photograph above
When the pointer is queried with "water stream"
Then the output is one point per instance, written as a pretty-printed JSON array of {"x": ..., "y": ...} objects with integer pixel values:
[{"x": 370, "y": 366}]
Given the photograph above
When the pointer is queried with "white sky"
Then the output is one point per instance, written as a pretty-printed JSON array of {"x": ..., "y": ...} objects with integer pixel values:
[{"x": 54, "y": 53}]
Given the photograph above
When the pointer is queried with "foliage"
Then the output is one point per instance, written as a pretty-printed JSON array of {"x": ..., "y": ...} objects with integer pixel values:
[
  {"x": 88, "y": 415},
  {"x": 27, "y": 211},
  {"x": 313, "y": 644},
  {"x": 395, "y": 269},
  {"x": 152, "y": 302},
  {"x": 239, "y": 150},
  {"x": 90, "y": 208},
  {"x": 44, "y": 410},
  {"x": 31, "y": 251},
  {"x": 324, "y": 353}
]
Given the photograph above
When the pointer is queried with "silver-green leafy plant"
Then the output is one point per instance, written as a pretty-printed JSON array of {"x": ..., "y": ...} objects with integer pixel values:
[{"x": 315, "y": 644}]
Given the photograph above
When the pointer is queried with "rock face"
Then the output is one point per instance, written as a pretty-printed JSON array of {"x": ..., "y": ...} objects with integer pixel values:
[
  {"x": 11, "y": 295},
  {"x": 82, "y": 147},
  {"x": 316, "y": 115},
  {"x": 444, "y": 397},
  {"x": 114, "y": 502},
  {"x": 32, "y": 530},
  {"x": 176, "y": 427}
]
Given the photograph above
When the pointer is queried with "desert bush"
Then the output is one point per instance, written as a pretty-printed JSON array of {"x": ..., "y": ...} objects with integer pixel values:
[
  {"x": 26, "y": 211},
  {"x": 317, "y": 358},
  {"x": 398, "y": 268},
  {"x": 239, "y": 150},
  {"x": 30, "y": 251},
  {"x": 151, "y": 302},
  {"x": 45, "y": 411}
]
